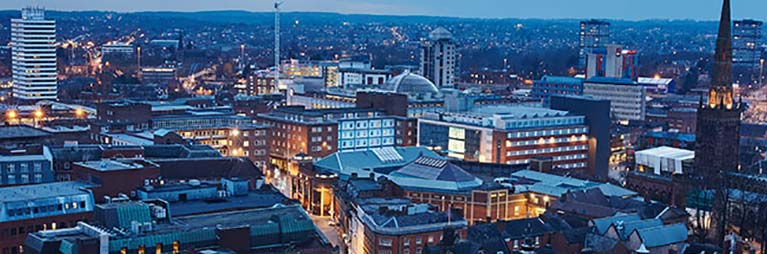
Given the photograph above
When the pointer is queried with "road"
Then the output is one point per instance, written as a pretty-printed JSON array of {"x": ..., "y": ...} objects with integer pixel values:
[{"x": 330, "y": 232}]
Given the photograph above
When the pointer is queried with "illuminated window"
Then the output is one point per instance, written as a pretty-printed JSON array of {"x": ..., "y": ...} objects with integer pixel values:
[
  {"x": 176, "y": 247},
  {"x": 158, "y": 248},
  {"x": 123, "y": 250},
  {"x": 141, "y": 249}
]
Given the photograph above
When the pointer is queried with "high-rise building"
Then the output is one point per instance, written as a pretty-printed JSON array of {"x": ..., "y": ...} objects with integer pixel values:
[
  {"x": 612, "y": 61},
  {"x": 439, "y": 58},
  {"x": 747, "y": 35},
  {"x": 594, "y": 34},
  {"x": 33, "y": 40},
  {"x": 717, "y": 135}
]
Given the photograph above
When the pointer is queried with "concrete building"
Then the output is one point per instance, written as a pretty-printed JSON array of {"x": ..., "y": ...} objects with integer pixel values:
[
  {"x": 26, "y": 165},
  {"x": 33, "y": 46},
  {"x": 593, "y": 34},
  {"x": 627, "y": 98},
  {"x": 663, "y": 160},
  {"x": 49, "y": 206},
  {"x": 439, "y": 58},
  {"x": 508, "y": 134},
  {"x": 612, "y": 61}
]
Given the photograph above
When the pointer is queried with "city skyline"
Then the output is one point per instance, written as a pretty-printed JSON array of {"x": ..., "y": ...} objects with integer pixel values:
[{"x": 623, "y": 9}]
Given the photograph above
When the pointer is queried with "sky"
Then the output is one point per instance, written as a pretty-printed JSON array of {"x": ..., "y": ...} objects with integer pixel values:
[{"x": 547, "y": 9}]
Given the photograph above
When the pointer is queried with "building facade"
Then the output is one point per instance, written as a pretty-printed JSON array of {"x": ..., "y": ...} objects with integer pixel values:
[
  {"x": 26, "y": 165},
  {"x": 627, "y": 98},
  {"x": 33, "y": 46},
  {"x": 508, "y": 135}
]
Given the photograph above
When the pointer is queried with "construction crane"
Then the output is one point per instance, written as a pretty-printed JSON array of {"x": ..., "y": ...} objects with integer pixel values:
[{"x": 276, "y": 46}]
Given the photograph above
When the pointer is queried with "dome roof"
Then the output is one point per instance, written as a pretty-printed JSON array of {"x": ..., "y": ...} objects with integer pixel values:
[{"x": 410, "y": 83}]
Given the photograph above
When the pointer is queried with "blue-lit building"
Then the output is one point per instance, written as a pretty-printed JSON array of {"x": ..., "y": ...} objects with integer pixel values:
[
  {"x": 547, "y": 86},
  {"x": 26, "y": 165}
]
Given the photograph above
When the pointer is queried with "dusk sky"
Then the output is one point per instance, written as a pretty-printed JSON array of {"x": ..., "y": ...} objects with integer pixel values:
[{"x": 611, "y": 9}]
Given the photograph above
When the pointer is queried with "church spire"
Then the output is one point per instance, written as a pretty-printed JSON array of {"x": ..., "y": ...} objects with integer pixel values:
[
  {"x": 722, "y": 75},
  {"x": 721, "y": 80}
]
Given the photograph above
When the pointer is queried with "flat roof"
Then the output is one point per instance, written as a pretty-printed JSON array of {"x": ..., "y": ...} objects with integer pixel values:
[
  {"x": 253, "y": 199},
  {"x": 233, "y": 219},
  {"x": 44, "y": 190},
  {"x": 21, "y": 131},
  {"x": 115, "y": 165},
  {"x": 517, "y": 111},
  {"x": 668, "y": 152}
]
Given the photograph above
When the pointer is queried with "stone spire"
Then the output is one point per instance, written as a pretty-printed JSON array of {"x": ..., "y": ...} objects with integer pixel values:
[
  {"x": 722, "y": 75},
  {"x": 721, "y": 81}
]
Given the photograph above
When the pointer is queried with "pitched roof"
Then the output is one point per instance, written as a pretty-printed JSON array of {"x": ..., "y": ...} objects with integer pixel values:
[{"x": 663, "y": 235}]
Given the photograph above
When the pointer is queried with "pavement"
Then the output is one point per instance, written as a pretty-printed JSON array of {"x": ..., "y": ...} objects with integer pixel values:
[{"x": 330, "y": 232}]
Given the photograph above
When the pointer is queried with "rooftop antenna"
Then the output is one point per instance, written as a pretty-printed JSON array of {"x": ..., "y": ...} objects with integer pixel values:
[{"x": 277, "y": 5}]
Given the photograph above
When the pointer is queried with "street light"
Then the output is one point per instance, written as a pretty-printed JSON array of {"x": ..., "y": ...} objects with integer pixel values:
[
  {"x": 39, "y": 113},
  {"x": 11, "y": 115},
  {"x": 79, "y": 112}
]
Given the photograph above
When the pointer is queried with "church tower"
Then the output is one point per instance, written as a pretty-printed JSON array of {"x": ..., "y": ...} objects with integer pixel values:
[
  {"x": 718, "y": 119},
  {"x": 717, "y": 137}
]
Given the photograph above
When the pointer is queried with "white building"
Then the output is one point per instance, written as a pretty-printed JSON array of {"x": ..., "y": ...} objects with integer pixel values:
[
  {"x": 627, "y": 98},
  {"x": 439, "y": 58},
  {"x": 117, "y": 48},
  {"x": 662, "y": 159},
  {"x": 33, "y": 40},
  {"x": 363, "y": 78}
]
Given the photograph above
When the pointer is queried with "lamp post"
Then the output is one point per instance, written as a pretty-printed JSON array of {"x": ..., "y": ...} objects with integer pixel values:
[{"x": 761, "y": 71}]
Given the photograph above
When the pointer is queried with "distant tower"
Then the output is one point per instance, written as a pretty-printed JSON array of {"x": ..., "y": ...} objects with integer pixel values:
[
  {"x": 746, "y": 47},
  {"x": 718, "y": 125},
  {"x": 593, "y": 34},
  {"x": 439, "y": 58},
  {"x": 33, "y": 46},
  {"x": 276, "y": 46}
]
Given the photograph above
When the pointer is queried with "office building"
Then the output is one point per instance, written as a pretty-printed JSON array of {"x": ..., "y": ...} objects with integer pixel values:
[
  {"x": 49, "y": 206},
  {"x": 157, "y": 75},
  {"x": 747, "y": 43},
  {"x": 439, "y": 58},
  {"x": 593, "y": 34},
  {"x": 597, "y": 118},
  {"x": 508, "y": 134},
  {"x": 117, "y": 49},
  {"x": 612, "y": 61},
  {"x": 33, "y": 46},
  {"x": 320, "y": 132},
  {"x": 547, "y": 86},
  {"x": 627, "y": 98},
  {"x": 26, "y": 165}
]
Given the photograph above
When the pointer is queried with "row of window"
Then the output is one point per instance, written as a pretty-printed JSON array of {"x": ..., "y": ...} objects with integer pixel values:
[
  {"x": 538, "y": 133},
  {"x": 45, "y": 209},
  {"x": 24, "y": 167},
  {"x": 547, "y": 150},
  {"x": 22, "y": 179}
]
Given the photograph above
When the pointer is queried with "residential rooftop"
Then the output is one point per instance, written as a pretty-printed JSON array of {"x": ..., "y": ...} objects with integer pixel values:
[{"x": 43, "y": 190}]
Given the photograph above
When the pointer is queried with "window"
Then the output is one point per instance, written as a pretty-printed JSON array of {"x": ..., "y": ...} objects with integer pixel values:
[{"x": 386, "y": 242}]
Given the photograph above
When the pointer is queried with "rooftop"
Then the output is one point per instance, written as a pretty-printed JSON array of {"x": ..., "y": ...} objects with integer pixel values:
[
  {"x": 41, "y": 191},
  {"x": 668, "y": 153},
  {"x": 554, "y": 185},
  {"x": 21, "y": 132},
  {"x": 117, "y": 164}
]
